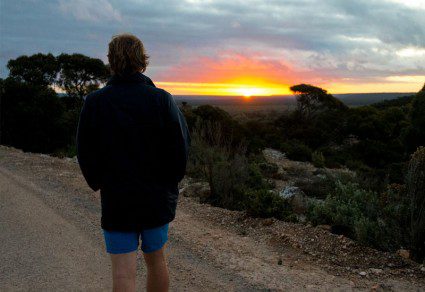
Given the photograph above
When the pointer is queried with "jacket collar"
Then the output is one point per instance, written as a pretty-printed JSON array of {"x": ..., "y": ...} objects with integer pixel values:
[{"x": 128, "y": 78}]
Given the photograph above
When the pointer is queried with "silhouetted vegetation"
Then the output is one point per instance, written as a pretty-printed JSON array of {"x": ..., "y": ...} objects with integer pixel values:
[
  {"x": 415, "y": 183},
  {"x": 384, "y": 207},
  {"x": 375, "y": 141},
  {"x": 33, "y": 116}
]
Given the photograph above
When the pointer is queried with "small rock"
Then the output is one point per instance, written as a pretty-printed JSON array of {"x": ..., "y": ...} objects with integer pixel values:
[
  {"x": 274, "y": 154},
  {"x": 362, "y": 273},
  {"x": 376, "y": 271},
  {"x": 324, "y": 227},
  {"x": 296, "y": 198},
  {"x": 404, "y": 253},
  {"x": 197, "y": 189},
  {"x": 268, "y": 222}
]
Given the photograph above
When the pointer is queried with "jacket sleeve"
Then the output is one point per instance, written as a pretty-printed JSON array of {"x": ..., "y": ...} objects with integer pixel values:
[
  {"x": 86, "y": 147},
  {"x": 178, "y": 138}
]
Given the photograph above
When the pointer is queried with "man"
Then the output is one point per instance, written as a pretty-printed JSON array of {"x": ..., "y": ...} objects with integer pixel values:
[{"x": 132, "y": 144}]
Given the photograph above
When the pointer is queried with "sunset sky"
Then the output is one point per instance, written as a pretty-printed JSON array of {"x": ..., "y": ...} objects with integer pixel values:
[{"x": 231, "y": 47}]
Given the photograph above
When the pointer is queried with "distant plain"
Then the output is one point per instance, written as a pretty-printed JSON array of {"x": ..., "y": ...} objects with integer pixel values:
[{"x": 279, "y": 103}]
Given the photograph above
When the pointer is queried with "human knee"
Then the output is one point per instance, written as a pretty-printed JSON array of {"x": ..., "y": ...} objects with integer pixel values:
[
  {"x": 155, "y": 258},
  {"x": 125, "y": 275}
]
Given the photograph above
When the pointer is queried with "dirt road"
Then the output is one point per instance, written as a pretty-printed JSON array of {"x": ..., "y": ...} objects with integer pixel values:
[{"x": 51, "y": 241}]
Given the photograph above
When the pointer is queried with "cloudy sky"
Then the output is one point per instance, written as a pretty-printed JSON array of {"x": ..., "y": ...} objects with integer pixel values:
[{"x": 234, "y": 47}]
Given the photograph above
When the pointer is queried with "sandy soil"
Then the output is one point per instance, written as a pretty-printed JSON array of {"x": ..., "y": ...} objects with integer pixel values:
[{"x": 51, "y": 241}]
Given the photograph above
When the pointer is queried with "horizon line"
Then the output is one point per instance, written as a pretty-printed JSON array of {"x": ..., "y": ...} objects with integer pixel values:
[{"x": 278, "y": 95}]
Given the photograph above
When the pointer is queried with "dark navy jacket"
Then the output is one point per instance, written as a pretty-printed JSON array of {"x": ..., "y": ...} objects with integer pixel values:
[{"x": 132, "y": 144}]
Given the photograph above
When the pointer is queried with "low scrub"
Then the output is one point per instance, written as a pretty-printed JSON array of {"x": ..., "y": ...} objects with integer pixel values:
[
  {"x": 225, "y": 166},
  {"x": 378, "y": 220},
  {"x": 265, "y": 203}
]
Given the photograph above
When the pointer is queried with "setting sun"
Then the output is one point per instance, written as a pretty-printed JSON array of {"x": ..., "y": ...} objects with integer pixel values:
[
  {"x": 246, "y": 92},
  {"x": 225, "y": 88}
]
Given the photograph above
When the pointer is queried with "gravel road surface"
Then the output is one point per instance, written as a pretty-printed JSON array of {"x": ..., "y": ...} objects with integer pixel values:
[{"x": 51, "y": 241}]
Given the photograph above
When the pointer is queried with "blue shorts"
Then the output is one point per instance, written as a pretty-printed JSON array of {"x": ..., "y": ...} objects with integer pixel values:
[{"x": 124, "y": 242}]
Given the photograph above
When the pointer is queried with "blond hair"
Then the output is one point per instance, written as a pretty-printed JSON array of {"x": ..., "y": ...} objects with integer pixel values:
[{"x": 127, "y": 55}]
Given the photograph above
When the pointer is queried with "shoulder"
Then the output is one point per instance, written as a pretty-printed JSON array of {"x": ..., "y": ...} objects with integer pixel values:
[
  {"x": 93, "y": 96},
  {"x": 165, "y": 95}
]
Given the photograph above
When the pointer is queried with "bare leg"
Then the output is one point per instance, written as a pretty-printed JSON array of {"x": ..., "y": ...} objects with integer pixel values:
[
  {"x": 124, "y": 272},
  {"x": 157, "y": 271}
]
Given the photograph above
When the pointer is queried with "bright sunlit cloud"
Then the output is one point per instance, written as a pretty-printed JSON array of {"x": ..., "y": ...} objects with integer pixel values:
[
  {"x": 407, "y": 78},
  {"x": 411, "y": 52},
  {"x": 417, "y": 4}
]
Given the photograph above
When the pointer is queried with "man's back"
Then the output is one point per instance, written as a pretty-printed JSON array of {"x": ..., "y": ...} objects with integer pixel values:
[
  {"x": 139, "y": 146},
  {"x": 132, "y": 144}
]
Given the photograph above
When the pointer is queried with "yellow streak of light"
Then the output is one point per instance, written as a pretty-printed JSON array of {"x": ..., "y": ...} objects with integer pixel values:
[{"x": 234, "y": 89}]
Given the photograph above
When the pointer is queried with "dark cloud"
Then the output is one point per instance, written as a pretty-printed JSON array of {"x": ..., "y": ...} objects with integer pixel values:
[{"x": 347, "y": 39}]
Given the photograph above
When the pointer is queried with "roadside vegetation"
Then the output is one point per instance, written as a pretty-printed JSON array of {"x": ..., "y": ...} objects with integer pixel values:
[{"x": 383, "y": 205}]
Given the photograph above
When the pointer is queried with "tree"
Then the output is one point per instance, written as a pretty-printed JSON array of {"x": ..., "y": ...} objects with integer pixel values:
[
  {"x": 415, "y": 181},
  {"x": 229, "y": 127},
  {"x": 80, "y": 75},
  {"x": 418, "y": 110},
  {"x": 31, "y": 117},
  {"x": 39, "y": 69},
  {"x": 415, "y": 134},
  {"x": 311, "y": 99}
]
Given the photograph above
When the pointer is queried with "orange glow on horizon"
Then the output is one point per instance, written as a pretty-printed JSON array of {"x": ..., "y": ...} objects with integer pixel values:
[
  {"x": 248, "y": 75},
  {"x": 267, "y": 89},
  {"x": 223, "y": 89}
]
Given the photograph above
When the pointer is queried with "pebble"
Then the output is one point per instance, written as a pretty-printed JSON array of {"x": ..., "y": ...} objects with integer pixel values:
[
  {"x": 362, "y": 273},
  {"x": 404, "y": 253},
  {"x": 279, "y": 262}
]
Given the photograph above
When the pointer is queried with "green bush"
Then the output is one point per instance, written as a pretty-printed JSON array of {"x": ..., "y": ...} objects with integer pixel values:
[
  {"x": 226, "y": 168},
  {"x": 415, "y": 182},
  {"x": 318, "y": 159},
  {"x": 268, "y": 169},
  {"x": 316, "y": 187},
  {"x": 31, "y": 117},
  {"x": 370, "y": 218},
  {"x": 296, "y": 150},
  {"x": 396, "y": 172},
  {"x": 264, "y": 203}
]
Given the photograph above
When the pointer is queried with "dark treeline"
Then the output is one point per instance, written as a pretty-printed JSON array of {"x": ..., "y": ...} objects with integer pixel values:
[
  {"x": 383, "y": 206},
  {"x": 33, "y": 116},
  {"x": 375, "y": 140}
]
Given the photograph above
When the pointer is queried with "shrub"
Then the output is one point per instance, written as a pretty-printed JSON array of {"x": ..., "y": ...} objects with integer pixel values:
[
  {"x": 317, "y": 187},
  {"x": 264, "y": 203},
  {"x": 269, "y": 169},
  {"x": 415, "y": 182},
  {"x": 296, "y": 150},
  {"x": 396, "y": 172},
  {"x": 31, "y": 117},
  {"x": 370, "y": 218},
  {"x": 318, "y": 159},
  {"x": 226, "y": 168}
]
